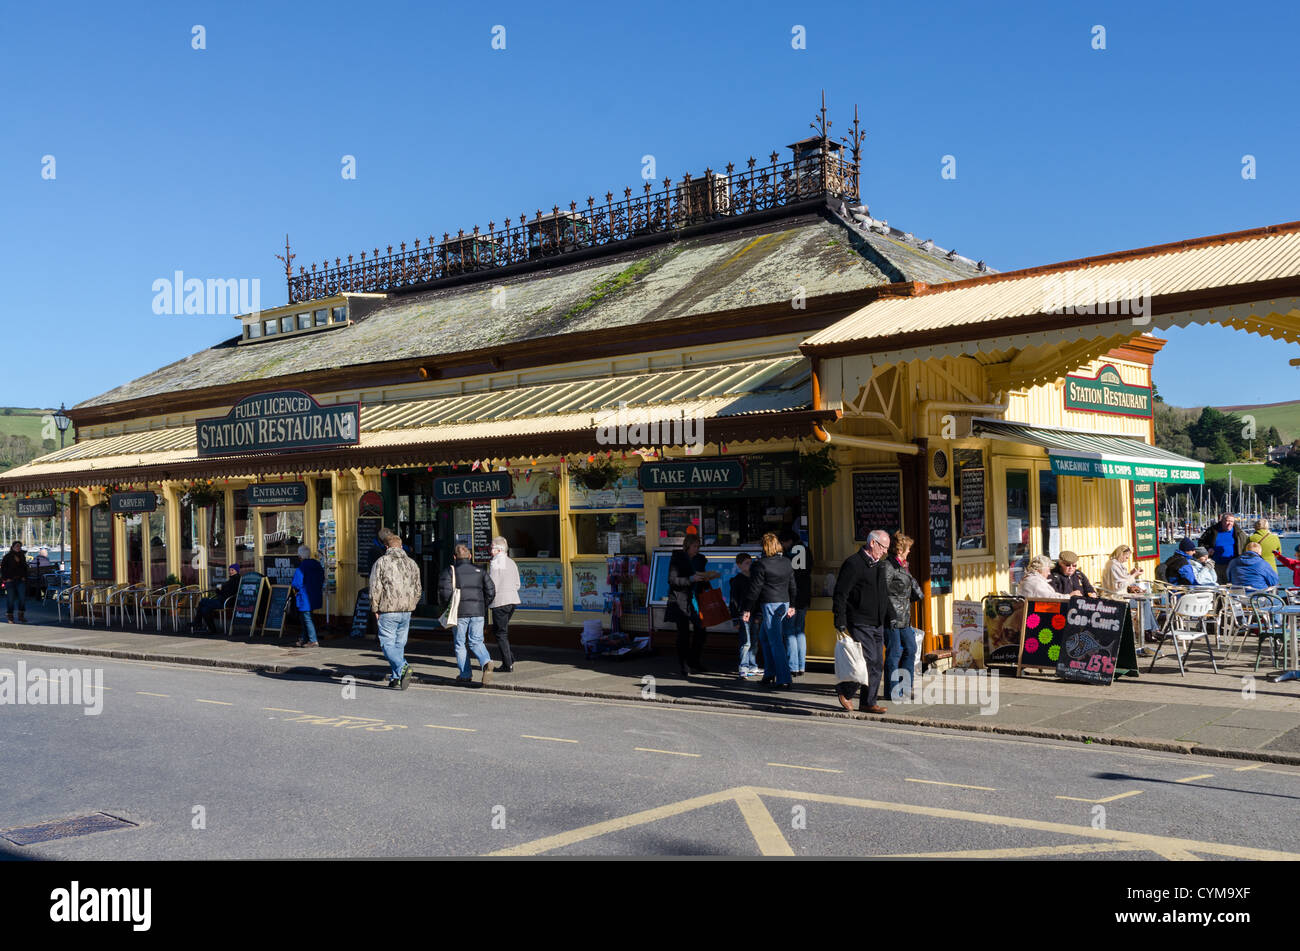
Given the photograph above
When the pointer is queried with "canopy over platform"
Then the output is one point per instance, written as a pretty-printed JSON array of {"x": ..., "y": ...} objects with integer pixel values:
[{"x": 1094, "y": 456}]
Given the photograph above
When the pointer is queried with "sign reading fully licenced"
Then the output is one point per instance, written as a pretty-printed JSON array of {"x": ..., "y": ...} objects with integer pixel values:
[{"x": 277, "y": 422}]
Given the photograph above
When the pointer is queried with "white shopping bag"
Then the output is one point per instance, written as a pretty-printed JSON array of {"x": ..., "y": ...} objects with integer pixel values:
[{"x": 850, "y": 665}]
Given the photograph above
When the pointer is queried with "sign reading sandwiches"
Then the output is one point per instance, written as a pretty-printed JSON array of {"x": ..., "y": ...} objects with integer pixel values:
[{"x": 281, "y": 421}]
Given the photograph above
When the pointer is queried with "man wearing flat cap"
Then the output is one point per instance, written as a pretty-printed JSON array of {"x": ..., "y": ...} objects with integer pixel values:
[{"x": 1067, "y": 579}]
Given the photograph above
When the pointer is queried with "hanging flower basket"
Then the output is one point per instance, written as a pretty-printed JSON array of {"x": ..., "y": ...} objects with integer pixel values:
[
  {"x": 200, "y": 494},
  {"x": 818, "y": 470},
  {"x": 603, "y": 472}
]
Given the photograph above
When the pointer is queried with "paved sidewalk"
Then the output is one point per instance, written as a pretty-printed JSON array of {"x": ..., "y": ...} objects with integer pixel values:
[{"x": 1233, "y": 713}]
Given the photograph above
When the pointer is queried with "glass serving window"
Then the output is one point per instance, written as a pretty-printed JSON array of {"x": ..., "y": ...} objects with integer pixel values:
[
  {"x": 593, "y": 533},
  {"x": 531, "y": 536},
  {"x": 1018, "y": 524}
]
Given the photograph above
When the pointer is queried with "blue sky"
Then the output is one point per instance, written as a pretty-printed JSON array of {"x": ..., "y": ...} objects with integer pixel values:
[{"x": 169, "y": 158}]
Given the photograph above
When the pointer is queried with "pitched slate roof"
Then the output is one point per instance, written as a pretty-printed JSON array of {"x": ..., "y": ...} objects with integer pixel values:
[{"x": 825, "y": 252}]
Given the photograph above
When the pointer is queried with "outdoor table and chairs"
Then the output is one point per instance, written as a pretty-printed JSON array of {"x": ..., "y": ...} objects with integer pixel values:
[{"x": 1188, "y": 623}]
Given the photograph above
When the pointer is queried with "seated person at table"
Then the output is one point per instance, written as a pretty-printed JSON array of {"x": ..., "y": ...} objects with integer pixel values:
[
  {"x": 1203, "y": 568},
  {"x": 1250, "y": 570},
  {"x": 1034, "y": 584},
  {"x": 1067, "y": 579},
  {"x": 1118, "y": 580},
  {"x": 210, "y": 606},
  {"x": 1175, "y": 562}
]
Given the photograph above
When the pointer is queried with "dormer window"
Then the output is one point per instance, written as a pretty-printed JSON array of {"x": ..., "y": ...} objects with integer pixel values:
[
  {"x": 304, "y": 321},
  {"x": 253, "y": 330},
  {"x": 314, "y": 317},
  {"x": 340, "y": 315},
  {"x": 271, "y": 327},
  {"x": 323, "y": 317},
  {"x": 286, "y": 324}
]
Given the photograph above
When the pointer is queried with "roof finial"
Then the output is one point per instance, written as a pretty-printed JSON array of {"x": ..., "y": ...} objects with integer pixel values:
[{"x": 287, "y": 258}]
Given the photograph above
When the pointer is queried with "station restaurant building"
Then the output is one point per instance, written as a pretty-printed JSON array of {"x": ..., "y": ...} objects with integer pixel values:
[{"x": 718, "y": 343}]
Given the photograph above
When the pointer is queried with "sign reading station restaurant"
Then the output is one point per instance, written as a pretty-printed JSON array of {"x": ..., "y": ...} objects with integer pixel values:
[
  {"x": 1107, "y": 393},
  {"x": 477, "y": 485},
  {"x": 277, "y": 422},
  {"x": 278, "y": 493},
  {"x": 693, "y": 475}
]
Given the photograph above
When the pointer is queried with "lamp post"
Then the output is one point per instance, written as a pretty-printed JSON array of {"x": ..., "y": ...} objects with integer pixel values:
[{"x": 62, "y": 421}]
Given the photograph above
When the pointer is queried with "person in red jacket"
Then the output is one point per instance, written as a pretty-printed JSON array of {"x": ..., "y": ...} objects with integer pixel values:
[{"x": 1293, "y": 563}]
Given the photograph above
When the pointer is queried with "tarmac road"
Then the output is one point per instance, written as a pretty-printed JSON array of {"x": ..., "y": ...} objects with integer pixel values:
[{"x": 216, "y": 763}]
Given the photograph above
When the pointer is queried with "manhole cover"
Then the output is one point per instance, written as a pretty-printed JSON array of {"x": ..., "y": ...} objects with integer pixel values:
[{"x": 65, "y": 828}]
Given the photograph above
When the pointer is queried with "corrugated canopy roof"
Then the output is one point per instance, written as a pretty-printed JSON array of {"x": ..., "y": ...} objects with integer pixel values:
[{"x": 1097, "y": 287}]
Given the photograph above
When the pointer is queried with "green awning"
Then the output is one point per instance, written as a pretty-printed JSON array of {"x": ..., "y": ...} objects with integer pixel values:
[{"x": 1097, "y": 456}]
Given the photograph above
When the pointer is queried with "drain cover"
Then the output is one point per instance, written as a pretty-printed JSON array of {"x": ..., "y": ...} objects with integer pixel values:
[{"x": 65, "y": 828}]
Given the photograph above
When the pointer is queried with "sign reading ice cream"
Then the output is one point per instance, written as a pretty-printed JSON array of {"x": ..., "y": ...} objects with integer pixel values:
[{"x": 279, "y": 422}]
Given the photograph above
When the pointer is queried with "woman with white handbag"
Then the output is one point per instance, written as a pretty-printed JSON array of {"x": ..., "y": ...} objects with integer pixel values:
[{"x": 469, "y": 590}]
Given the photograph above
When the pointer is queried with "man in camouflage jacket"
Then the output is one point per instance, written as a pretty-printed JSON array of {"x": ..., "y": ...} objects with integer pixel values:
[{"x": 394, "y": 593}]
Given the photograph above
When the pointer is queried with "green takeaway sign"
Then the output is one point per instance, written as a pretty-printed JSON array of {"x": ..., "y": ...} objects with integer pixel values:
[{"x": 1094, "y": 468}]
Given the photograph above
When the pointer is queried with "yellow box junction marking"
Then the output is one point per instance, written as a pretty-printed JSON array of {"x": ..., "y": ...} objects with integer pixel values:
[
  {"x": 815, "y": 769},
  {"x": 458, "y": 729},
  {"x": 1192, "y": 779},
  {"x": 646, "y": 749},
  {"x": 220, "y": 703},
  {"x": 935, "y": 782},
  {"x": 1123, "y": 795},
  {"x": 553, "y": 739},
  {"x": 146, "y": 693}
]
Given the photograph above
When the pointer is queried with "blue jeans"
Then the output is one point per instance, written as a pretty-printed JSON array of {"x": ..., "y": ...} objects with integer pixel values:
[
  {"x": 795, "y": 639},
  {"x": 473, "y": 626},
  {"x": 748, "y": 631},
  {"x": 775, "y": 651},
  {"x": 1148, "y": 615},
  {"x": 393, "y": 626},
  {"x": 309, "y": 627},
  {"x": 16, "y": 588},
  {"x": 900, "y": 654}
]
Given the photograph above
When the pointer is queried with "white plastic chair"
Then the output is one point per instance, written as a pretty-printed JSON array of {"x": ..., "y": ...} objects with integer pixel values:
[{"x": 1189, "y": 624}]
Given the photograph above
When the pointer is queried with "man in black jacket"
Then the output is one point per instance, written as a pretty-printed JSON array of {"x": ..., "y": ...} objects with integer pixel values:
[
  {"x": 13, "y": 569},
  {"x": 862, "y": 611},
  {"x": 1066, "y": 578}
]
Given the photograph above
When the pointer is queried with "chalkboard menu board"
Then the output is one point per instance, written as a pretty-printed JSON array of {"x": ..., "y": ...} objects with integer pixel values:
[
  {"x": 248, "y": 602},
  {"x": 972, "y": 504},
  {"x": 361, "y": 614},
  {"x": 1146, "y": 540},
  {"x": 877, "y": 502},
  {"x": 766, "y": 475},
  {"x": 481, "y": 516},
  {"x": 1092, "y": 641},
  {"x": 101, "y": 543},
  {"x": 280, "y": 568},
  {"x": 367, "y": 543},
  {"x": 1040, "y": 640},
  {"x": 276, "y": 609},
  {"x": 940, "y": 539}
]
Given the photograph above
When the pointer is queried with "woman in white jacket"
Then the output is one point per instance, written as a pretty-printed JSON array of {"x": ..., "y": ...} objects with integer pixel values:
[
  {"x": 1034, "y": 585},
  {"x": 505, "y": 575}
]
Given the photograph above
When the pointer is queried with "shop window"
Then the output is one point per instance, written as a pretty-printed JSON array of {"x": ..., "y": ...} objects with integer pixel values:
[
  {"x": 134, "y": 549},
  {"x": 322, "y": 317},
  {"x": 594, "y": 531},
  {"x": 732, "y": 522},
  {"x": 158, "y": 545},
  {"x": 215, "y": 516},
  {"x": 245, "y": 553},
  {"x": 1018, "y": 524},
  {"x": 190, "y": 551},
  {"x": 531, "y": 536},
  {"x": 325, "y": 527},
  {"x": 304, "y": 320},
  {"x": 968, "y": 508},
  {"x": 1049, "y": 512},
  {"x": 281, "y": 536}
]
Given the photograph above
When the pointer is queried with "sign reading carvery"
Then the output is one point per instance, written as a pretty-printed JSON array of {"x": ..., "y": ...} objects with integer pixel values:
[{"x": 277, "y": 422}]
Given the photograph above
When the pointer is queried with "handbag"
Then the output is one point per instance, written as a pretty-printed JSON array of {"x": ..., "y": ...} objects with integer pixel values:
[
  {"x": 713, "y": 609},
  {"x": 450, "y": 616},
  {"x": 850, "y": 665}
]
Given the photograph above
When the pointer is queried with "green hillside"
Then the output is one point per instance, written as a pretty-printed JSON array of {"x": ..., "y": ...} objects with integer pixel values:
[
  {"x": 1285, "y": 416},
  {"x": 1255, "y": 475},
  {"x": 20, "y": 435}
]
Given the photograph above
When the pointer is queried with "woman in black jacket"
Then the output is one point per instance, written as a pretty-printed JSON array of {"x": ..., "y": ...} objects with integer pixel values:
[
  {"x": 772, "y": 590},
  {"x": 688, "y": 575},
  {"x": 900, "y": 637},
  {"x": 476, "y": 593}
]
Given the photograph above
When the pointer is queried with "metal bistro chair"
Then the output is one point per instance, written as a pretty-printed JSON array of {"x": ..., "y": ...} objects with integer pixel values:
[
  {"x": 99, "y": 597},
  {"x": 155, "y": 600},
  {"x": 1189, "y": 624},
  {"x": 67, "y": 597},
  {"x": 1269, "y": 626},
  {"x": 182, "y": 602},
  {"x": 122, "y": 598}
]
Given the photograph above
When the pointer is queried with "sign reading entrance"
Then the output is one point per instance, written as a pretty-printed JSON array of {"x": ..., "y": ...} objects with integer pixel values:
[
  {"x": 35, "y": 508},
  {"x": 1107, "y": 393},
  {"x": 127, "y": 503},
  {"x": 101, "y": 543},
  {"x": 692, "y": 475},
  {"x": 278, "y": 493},
  {"x": 477, "y": 485},
  {"x": 1146, "y": 535},
  {"x": 279, "y": 421}
]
